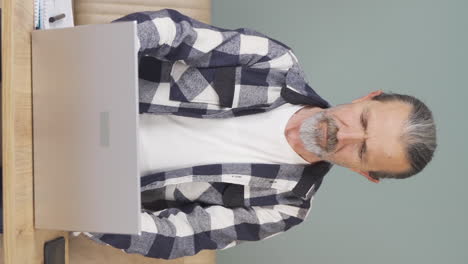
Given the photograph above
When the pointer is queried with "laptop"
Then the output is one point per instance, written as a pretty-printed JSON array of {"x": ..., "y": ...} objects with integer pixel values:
[{"x": 85, "y": 129}]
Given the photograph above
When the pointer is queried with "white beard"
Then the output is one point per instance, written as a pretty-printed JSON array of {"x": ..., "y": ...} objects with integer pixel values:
[{"x": 310, "y": 134}]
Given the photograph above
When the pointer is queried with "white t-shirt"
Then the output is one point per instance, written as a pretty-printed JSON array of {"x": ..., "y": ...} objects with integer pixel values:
[{"x": 170, "y": 142}]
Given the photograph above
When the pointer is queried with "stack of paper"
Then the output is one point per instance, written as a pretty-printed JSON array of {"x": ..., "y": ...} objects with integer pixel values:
[{"x": 44, "y": 10}]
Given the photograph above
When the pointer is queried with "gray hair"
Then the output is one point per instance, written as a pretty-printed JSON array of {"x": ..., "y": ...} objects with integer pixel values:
[{"x": 418, "y": 137}]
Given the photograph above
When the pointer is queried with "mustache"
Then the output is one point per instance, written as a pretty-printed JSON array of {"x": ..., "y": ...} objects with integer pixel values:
[
  {"x": 311, "y": 134},
  {"x": 332, "y": 131}
]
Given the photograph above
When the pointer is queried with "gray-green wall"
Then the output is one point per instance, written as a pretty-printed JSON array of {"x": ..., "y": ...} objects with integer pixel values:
[{"x": 347, "y": 49}]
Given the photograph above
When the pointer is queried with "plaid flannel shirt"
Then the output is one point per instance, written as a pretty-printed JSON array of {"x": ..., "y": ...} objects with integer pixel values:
[{"x": 193, "y": 69}]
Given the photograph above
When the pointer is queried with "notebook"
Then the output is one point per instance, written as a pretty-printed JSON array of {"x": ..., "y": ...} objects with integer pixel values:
[
  {"x": 45, "y": 9},
  {"x": 85, "y": 129}
]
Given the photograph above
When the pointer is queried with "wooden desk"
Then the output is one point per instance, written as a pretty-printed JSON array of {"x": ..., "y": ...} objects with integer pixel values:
[{"x": 21, "y": 242}]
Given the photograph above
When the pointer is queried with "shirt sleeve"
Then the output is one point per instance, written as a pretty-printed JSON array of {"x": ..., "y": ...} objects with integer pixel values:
[
  {"x": 169, "y": 35},
  {"x": 184, "y": 231}
]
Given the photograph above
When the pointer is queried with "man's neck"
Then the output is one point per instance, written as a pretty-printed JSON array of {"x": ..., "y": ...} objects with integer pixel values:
[{"x": 292, "y": 135}]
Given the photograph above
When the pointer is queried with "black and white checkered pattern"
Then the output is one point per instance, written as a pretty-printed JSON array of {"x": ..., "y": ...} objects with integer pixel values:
[
  {"x": 218, "y": 206},
  {"x": 203, "y": 71},
  {"x": 193, "y": 69}
]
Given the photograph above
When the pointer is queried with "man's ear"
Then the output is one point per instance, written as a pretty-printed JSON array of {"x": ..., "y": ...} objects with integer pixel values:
[
  {"x": 366, "y": 174},
  {"x": 368, "y": 97}
]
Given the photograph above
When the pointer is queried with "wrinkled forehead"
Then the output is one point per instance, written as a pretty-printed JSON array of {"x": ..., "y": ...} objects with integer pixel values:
[{"x": 386, "y": 125}]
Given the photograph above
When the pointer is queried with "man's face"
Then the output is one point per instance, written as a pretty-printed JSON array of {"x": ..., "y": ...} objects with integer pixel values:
[{"x": 363, "y": 135}]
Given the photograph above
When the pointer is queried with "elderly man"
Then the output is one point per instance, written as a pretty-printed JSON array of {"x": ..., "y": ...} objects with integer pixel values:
[{"x": 235, "y": 143}]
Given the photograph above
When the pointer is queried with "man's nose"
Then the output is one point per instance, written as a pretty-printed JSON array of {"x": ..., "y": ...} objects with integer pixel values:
[{"x": 344, "y": 135}]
